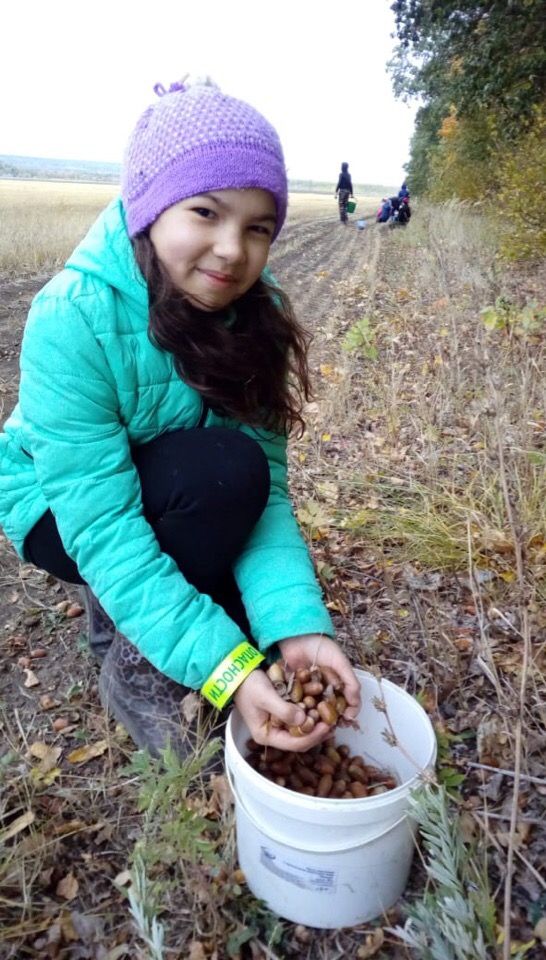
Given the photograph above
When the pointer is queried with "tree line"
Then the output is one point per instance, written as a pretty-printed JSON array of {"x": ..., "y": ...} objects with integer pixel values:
[{"x": 478, "y": 68}]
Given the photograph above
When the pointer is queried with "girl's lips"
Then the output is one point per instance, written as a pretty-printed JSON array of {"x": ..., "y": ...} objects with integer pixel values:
[{"x": 221, "y": 278}]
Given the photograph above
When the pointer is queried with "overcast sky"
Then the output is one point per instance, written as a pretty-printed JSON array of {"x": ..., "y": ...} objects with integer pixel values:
[{"x": 76, "y": 75}]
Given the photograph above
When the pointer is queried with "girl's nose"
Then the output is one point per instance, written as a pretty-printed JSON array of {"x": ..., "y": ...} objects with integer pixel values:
[{"x": 229, "y": 245}]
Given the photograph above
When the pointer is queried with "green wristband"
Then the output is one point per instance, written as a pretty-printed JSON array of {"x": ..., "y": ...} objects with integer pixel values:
[{"x": 230, "y": 673}]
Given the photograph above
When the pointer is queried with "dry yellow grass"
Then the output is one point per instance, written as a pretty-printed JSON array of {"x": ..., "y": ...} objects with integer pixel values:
[{"x": 42, "y": 221}]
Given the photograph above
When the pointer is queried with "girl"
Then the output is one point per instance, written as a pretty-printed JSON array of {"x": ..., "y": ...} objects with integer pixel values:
[{"x": 161, "y": 372}]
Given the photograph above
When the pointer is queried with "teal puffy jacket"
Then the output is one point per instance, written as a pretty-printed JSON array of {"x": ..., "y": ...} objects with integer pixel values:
[{"x": 93, "y": 385}]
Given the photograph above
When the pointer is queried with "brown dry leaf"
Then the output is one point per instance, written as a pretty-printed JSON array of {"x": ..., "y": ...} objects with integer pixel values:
[
  {"x": 17, "y": 825},
  {"x": 190, "y": 706},
  {"x": 221, "y": 797},
  {"x": 373, "y": 943},
  {"x": 67, "y": 927},
  {"x": 197, "y": 951},
  {"x": 89, "y": 752},
  {"x": 67, "y": 887},
  {"x": 48, "y": 756},
  {"x": 521, "y": 834},
  {"x": 31, "y": 680},
  {"x": 491, "y": 742}
]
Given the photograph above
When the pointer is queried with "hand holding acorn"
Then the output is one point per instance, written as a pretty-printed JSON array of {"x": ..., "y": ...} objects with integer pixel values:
[{"x": 276, "y": 719}]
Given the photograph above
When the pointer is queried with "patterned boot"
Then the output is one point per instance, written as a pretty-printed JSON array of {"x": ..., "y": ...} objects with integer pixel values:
[
  {"x": 148, "y": 704},
  {"x": 100, "y": 628}
]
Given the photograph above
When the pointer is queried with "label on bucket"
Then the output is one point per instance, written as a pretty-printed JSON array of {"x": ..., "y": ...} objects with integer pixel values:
[{"x": 308, "y": 878}]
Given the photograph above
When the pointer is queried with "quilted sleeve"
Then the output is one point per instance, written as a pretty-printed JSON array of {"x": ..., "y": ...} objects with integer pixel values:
[{"x": 274, "y": 572}]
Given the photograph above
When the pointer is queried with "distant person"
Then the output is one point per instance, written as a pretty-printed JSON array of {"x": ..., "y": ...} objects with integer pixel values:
[
  {"x": 384, "y": 211},
  {"x": 395, "y": 203},
  {"x": 344, "y": 190},
  {"x": 162, "y": 371},
  {"x": 403, "y": 193},
  {"x": 404, "y": 211}
]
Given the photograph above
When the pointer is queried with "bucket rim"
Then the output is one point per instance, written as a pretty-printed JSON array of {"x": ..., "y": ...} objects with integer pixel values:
[{"x": 302, "y": 801}]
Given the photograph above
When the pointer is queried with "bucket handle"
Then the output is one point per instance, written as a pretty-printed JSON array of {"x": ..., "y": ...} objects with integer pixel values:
[{"x": 282, "y": 840}]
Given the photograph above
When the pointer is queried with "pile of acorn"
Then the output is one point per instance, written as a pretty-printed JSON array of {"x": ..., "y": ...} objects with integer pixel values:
[
  {"x": 318, "y": 691},
  {"x": 326, "y": 770},
  {"x": 322, "y": 771}
]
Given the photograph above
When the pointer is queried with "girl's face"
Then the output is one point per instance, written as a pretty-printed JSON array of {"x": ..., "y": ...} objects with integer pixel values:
[{"x": 214, "y": 246}]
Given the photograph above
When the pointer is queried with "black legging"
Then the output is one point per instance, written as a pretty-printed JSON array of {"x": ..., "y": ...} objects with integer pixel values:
[{"x": 203, "y": 491}]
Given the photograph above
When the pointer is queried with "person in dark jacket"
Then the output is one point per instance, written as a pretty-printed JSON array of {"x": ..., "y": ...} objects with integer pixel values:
[
  {"x": 344, "y": 190},
  {"x": 404, "y": 212},
  {"x": 403, "y": 193},
  {"x": 395, "y": 204}
]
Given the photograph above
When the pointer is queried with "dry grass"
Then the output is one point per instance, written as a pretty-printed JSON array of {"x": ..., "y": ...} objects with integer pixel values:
[
  {"x": 42, "y": 222},
  {"x": 426, "y": 452}
]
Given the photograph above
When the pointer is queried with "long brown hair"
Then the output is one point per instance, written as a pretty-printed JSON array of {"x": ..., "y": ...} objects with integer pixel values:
[{"x": 248, "y": 362}]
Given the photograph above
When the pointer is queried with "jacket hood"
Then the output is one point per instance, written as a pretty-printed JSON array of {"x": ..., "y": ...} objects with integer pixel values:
[{"x": 106, "y": 253}]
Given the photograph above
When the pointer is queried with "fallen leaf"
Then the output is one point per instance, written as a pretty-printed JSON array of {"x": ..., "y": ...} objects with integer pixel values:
[
  {"x": 328, "y": 490},
  {"x": 48, "y": 756},
  {"x": 123, "y": 878},
  {"x": 521, "y": 834},
  {"x": 373, "y": 942},
  {"x": 67, "y": 887},
  {"x": 47, "y": 777},
  {"x": 91, "y": 750},
  {"x": 19, "y": 824},
  {"x": 190, "y": 706},
  {"x": 67, "y": 926},
  {"x": 222, "y": 797},
  {"x": 31, "y": 680}
]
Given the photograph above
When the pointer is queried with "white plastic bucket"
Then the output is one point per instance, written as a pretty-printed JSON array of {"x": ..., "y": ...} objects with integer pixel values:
[{"x": 334, "y": 863}]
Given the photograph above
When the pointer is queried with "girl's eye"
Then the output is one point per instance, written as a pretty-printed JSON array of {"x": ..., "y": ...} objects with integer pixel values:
[
  {"x": 263, "y": 231},
  {"x": 204, "y": 212}
]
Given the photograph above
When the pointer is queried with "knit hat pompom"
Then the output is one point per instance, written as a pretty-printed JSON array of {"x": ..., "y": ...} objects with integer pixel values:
[{"x": 194, "y": 139}]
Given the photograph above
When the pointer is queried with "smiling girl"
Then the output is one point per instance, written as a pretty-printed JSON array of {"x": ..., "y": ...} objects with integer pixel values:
[{"x": 161, "y": 373}]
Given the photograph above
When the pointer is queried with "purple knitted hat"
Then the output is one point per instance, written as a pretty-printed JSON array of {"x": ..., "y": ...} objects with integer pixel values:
[{"x": 195, "y": 139}]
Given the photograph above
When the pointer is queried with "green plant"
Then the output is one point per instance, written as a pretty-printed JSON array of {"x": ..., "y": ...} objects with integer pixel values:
[
  {"x": 448, "y": 775},
  {"x": 173, "y": 828},
  {"x": 143, "y": 904},
  {"x": 361, "y": 338},
  {"x": 455, "y": 920},
  {"x": 504, "y": 315}
]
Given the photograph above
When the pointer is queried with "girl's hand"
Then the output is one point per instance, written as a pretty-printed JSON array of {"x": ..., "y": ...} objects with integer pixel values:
[
  {"x": 257, "y": 701},
  {"x": 315, "y": 650}
]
